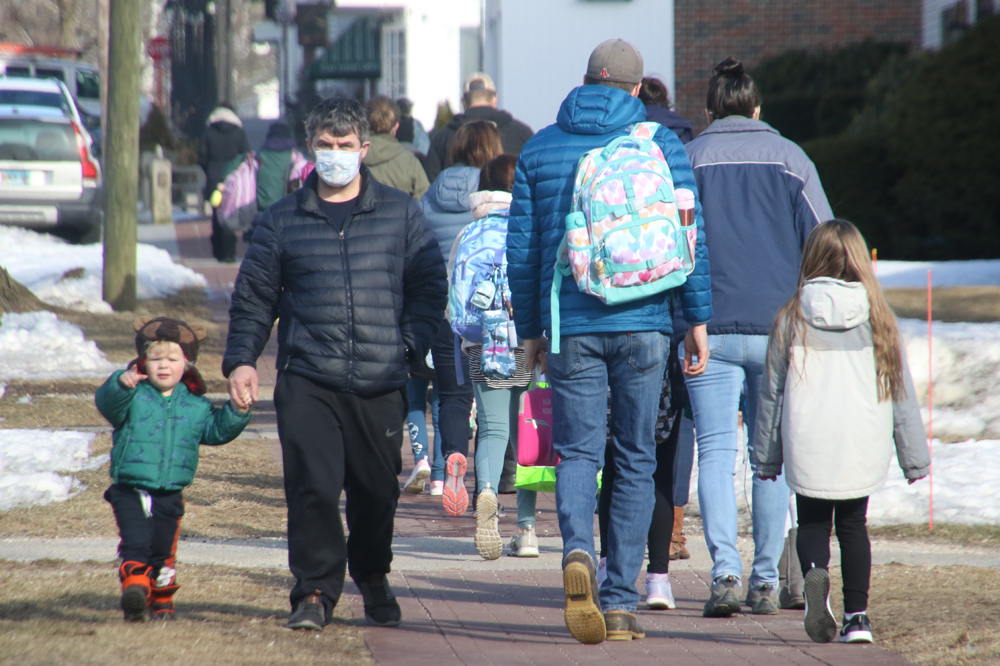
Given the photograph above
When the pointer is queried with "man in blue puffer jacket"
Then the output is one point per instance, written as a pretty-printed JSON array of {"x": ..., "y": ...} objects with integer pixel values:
[{"x": 623, "y": 346}]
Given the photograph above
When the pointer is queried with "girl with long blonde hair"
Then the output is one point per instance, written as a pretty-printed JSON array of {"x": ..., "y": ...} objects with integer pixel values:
[{"x": 835, "y": 401}]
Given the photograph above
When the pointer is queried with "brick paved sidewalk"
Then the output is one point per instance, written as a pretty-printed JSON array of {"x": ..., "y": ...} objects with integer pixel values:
[{"x": 473, "y": 615}]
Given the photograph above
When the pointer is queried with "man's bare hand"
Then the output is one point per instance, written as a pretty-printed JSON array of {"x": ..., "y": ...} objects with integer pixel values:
[
  {"x": 535, "y": 353},
  {"x": 243, "y": 387},
  {"x": 131, "y": 377},
  {"x": 696, "y": 344}
]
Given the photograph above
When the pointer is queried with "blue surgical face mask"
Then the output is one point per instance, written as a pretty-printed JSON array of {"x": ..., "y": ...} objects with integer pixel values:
[{"x": 337, "y": 168}]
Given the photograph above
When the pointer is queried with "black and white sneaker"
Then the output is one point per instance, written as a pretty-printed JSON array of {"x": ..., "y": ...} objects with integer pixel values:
[
  {"x": 819, "y": 621},
  {"x": 856, "y": 630}
]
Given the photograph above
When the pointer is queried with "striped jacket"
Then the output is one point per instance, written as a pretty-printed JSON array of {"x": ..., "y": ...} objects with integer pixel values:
[{"x": 760, "y": 198}]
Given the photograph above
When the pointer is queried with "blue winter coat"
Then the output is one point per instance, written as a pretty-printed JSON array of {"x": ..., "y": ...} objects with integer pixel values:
[
  {"x": 446, "y": 204},
  {"x": 590, "y": 117},
  {"x": 761, "y": 196}
]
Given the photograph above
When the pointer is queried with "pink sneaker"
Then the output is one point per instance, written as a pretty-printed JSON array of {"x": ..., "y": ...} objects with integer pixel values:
[
  {"x": 437, "y": 488},
  {"x": 455, "y": 498}
]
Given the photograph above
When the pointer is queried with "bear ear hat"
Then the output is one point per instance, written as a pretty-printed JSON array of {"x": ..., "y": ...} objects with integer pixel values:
[
  {"x": 198, "y": 330},
  {"x": 140, "y": 322}
]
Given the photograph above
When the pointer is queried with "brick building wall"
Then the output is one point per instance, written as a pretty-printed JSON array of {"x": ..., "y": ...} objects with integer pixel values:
[{"x": 708, "y": 31}]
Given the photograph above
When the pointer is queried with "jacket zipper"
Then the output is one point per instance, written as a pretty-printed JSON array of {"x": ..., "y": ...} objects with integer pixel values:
[
  {"x": 168, "y": 429},
  {"x": 350, "y": 307}
]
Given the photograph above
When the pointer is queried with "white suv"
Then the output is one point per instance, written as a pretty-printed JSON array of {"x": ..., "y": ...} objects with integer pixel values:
[{"x": 49, "y": 178}]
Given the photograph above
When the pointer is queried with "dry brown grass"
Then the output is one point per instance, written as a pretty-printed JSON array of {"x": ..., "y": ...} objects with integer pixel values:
[
  {"x": 936, "y": 616},
  {"x": 55, "y": 613},
  {"x": 237, "y": 494},
  {"x": 950, "y": 303},
  {"x": 982, "y": 536}
]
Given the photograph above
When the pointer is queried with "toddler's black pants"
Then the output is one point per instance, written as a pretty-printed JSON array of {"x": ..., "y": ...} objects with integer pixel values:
[
  {"x": 332, "y": 442},
  {"x": 816, "y": 518},
  {"x": 150, "y": 539}
]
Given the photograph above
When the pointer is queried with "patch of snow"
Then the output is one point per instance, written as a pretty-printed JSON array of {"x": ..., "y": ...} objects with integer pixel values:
[
  {"x": 39, "y": 345},
  {"x": 977, "y": 272},
  {"x": 41, "y": 263},
  {"x": 31, "y": 462}
]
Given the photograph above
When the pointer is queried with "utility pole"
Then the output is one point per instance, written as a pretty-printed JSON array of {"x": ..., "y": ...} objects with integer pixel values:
[
  {"x": 122, "y": 158},
  {"x": 224, "y": 49}
]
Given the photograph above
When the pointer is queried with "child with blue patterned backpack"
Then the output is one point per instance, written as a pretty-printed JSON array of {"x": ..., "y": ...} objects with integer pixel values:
[
  {"x": 160, "y": 416},
  {"x": 479, "y": 311}
]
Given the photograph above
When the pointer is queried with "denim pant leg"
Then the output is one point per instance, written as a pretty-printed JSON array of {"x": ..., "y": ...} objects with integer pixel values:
[
  {"x": 683, "y": 462},
  {"x": 770, "y": 498},
  {"x": 416, "y": 417},
  {"x": 494, "y": 432},
  {"x": 437, "y": 465},
  {"x": 715, "y": 397},
  {"x": 455, "y": 399}
]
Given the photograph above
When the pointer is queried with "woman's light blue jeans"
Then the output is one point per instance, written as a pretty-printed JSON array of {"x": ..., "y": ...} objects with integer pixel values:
[
  {"x": 497, "y": 423},
  {"x": 416, "y": 424},
  {"x": 715, "y": 400}
]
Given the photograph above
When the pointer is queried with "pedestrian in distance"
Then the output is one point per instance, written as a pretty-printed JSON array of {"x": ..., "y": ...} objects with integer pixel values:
[
  {"x": 656, "y": 97},
  {"x": 479, "y": 102},
  {"x": 160, "y": 416},
  {"x": 411, "y": 132},
  {"x": 761, "y": 196},
  {"x": 223, "y": 140},
  {"x": 836, "y": 400},
  {"x": 390, "y": 163},
  {"x": 359, "y": 285},
  {"x": 449, "y": 210},
  {"x": 622, "y": 347}
]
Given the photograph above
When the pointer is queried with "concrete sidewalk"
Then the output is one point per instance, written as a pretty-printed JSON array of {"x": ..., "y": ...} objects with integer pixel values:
[{"x": 459, "y": 609}]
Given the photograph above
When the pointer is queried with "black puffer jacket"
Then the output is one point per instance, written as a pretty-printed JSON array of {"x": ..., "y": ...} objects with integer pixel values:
[{"x": 349, "y": 304}]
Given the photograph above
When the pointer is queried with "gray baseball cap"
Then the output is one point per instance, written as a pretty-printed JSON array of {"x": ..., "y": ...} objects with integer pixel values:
[{"x": 615, "y": 60}]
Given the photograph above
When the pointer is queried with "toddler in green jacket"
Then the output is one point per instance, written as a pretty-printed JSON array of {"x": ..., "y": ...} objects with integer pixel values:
[{"x": 160, "y": 418}]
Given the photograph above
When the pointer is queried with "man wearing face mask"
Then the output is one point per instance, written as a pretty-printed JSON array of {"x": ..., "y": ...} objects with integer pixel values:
[{"x": 358, "y": 285}]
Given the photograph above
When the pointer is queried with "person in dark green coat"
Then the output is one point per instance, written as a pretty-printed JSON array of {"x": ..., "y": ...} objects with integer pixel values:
[{"x": 160, "y": 418}]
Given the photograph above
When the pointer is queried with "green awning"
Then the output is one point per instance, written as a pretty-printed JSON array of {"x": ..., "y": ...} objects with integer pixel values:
[{"x": 356, "y": 55}]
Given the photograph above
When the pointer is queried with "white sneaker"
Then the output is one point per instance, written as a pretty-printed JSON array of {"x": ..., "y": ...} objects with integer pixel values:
[
  {"x": 437, "y": 488},
  {"x": 602, "y": 571},
  {"x": 524, "y": 544},
  {"x": 659, "y": 594},
  {"x": 421, "y": 472}
]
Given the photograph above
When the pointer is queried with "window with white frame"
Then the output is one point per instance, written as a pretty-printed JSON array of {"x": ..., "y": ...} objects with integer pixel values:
[{"x": 393, "y": 60}]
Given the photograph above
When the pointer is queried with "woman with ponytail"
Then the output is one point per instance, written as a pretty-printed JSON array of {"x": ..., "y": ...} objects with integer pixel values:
[{"x": 760, "y": 199}]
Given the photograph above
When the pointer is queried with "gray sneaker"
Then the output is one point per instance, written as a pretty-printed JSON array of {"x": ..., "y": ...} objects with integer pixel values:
[
  {"x": 309, "y": 613},
  {"x": 763, "y": 599},
  {"x": 724, "y": 600}
]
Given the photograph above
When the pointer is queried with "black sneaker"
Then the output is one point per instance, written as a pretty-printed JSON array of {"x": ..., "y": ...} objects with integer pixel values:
[
  {"x": 819, "y": 621},
  {"x": 381, "y": 607},
  {"x": 856, "y": 630},
  {"x": 309, "y": 613},
  {"x": 724, "y": 601},
  {"x": 622, "y": 626},
  {"x": 583, "y": 604}
]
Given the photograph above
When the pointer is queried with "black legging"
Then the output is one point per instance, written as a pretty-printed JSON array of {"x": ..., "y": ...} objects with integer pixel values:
[
  {"x": 816, "y": 518},
  {"x": 661, "y": 528}
]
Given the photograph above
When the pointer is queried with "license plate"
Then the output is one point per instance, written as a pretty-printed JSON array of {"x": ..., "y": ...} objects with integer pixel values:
[{"x": 16, "y": 178}]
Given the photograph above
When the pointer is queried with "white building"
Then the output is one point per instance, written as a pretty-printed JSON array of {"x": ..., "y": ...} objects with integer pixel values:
[{"x": 537, "y": 50}]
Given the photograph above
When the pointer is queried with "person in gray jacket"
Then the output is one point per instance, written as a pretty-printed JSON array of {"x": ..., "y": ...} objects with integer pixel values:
[{"x": 835, "y": 399}]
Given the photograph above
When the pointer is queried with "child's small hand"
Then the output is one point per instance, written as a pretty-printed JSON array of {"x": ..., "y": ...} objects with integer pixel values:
[
  {"x": 912, "y": 481},
  {"x": 131, "y": 377},
  {"x": 249, "y": 401}
]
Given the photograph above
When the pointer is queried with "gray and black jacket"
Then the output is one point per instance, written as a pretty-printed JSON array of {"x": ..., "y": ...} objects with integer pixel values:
[
  {"x": 819, "y": 413},
  {"x": 353, "y": 306}
]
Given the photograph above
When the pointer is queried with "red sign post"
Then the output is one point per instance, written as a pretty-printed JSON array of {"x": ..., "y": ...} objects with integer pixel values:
[{"x": 158, "y": 48}]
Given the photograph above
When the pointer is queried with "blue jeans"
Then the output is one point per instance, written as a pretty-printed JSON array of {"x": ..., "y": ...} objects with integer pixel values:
[
  {"x": 498, "y": 409},
  {"x": 632, "y": 365},
  {"x": 683, "y": 462},
  {"x": 416, "y": 423},
  {"x": 715, "y": 400}
]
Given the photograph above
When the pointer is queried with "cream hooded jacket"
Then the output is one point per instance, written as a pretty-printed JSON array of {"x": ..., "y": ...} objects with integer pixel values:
[{"x": 819, "y": 412}]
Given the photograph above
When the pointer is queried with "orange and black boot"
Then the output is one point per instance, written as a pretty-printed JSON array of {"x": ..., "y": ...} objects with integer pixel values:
[
  {"x": 161, "y": 595},
  {"x": 135, "y": 590}
]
